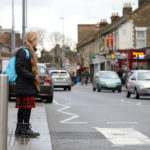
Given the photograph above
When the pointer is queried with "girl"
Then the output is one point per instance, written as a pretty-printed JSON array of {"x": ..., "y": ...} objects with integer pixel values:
[{"x": 27, "y": 84}]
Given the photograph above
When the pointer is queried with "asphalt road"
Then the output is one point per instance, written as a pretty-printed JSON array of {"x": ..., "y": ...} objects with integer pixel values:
[{"x": 87, "y": 120}]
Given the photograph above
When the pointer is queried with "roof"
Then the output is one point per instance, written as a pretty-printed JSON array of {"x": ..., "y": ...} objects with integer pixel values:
[
  {"x": 105, "y": 30},
  {"x": 114, "y": 24},
  {"x": 110, "y": 27}
]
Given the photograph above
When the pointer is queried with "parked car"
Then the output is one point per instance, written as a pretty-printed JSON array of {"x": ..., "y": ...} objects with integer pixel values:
[
  {"x": 107, "y": 80},
  {"x": 61, "y": 79},
  {"x": 139, "y": 83},
  {"x": 46, "y": 85}
]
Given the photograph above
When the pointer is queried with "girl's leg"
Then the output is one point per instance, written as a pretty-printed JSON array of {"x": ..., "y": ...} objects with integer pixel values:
[
  {"x": 27, "y": 131},
  {"x": 19, "y": 126},
  {"x": 20, "y": 115},
  {"x": 26, "y": 115}
]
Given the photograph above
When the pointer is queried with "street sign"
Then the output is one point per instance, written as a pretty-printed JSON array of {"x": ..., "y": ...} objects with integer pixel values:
[{"x": 138, "y": 53}]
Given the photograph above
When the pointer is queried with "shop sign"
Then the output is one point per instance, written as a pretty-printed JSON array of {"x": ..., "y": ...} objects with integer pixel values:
[
  {"x": 110, "y": 41},
  {"x": 138, "y": 53},
  {"x": 120, "y": 56},
  {"x": 98, "y": 59},
  {"x": 139, "y": 57}
]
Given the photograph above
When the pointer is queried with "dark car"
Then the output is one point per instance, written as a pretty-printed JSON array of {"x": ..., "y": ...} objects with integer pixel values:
[{"x": 46, "y": 85}]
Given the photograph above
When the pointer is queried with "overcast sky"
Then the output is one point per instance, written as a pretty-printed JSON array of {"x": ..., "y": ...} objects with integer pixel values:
[{"x": 46, "y": 14}]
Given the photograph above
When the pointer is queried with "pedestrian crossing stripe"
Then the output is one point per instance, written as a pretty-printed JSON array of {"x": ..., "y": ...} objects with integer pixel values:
[{"x": 124, "y": 136}]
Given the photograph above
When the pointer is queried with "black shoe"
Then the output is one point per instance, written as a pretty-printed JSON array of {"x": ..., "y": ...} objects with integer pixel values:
[
  {"x": 19, "y": 129},
  {"x": 28, "y": 132}
]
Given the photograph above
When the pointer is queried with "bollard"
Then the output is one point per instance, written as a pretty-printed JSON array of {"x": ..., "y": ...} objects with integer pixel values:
[{"x": 4, "y": 94}]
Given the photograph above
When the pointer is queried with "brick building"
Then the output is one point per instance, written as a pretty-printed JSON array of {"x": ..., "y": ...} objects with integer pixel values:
[
  {"x": 5, "y": 46},
  {"x": 119, "y": 44},
  {"x": 5, "y": 37}
]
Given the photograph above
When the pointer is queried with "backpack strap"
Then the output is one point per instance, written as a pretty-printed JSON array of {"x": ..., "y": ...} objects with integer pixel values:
[{"x": 27, "y": 53}]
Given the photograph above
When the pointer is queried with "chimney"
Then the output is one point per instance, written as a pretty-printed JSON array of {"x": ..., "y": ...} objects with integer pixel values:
[
  {"x": 127, "y": 9},
  {"x": 141, "y": 2},
  {"x": 103, "y": 23},
  {"x": 114, "y": 17}
]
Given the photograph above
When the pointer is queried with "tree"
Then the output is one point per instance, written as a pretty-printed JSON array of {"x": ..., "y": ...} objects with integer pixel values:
[{"x": 45, "y": 57}]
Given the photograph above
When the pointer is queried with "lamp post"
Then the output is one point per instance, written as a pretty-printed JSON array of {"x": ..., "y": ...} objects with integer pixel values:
[
  {"x": 24, "y": 18},
  {"x": 13, "y": 41},
  {"x": 63, "y": 46}
]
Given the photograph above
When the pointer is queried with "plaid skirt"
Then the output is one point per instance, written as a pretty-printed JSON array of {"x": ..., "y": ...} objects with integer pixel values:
[{"x": 25, "y": 102}]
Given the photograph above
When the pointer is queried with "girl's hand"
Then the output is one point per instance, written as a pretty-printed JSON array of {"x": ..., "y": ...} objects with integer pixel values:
[{"x": 37, "y": 77}]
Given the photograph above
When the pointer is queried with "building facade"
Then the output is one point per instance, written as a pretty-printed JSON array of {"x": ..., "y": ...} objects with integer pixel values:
[{"x": 121, "y": 43}]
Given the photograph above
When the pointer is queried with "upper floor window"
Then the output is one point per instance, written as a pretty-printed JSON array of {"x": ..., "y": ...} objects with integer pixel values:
[{"x": 141, "y": 37}]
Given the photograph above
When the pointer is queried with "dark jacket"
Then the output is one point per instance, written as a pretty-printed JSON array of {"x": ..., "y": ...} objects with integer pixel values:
[{"x": 25, "y": 78}]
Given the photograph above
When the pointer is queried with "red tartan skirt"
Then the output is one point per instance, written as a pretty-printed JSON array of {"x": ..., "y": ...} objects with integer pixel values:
[{"x": 25, "y": 102}]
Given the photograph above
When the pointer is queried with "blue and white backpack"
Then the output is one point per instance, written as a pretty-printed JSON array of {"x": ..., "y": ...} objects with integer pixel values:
[{"x": 10, "y": 70}]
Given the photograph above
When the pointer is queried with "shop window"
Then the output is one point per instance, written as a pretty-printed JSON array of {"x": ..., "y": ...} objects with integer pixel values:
[{"x": 140, "y": 37}]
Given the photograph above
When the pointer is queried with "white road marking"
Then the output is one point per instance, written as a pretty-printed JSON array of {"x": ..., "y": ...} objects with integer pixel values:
[
  {"x": 122, "y": 100},
  {"x": 138, "y": 104},
  {"x": 124, "y": 136},
  {"x": 121, "y": 122},
  {"x": 73, "y": 116}
]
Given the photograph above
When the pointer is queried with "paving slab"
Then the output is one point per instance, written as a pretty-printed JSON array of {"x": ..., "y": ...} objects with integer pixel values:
[{"x": 39, "y": 124}]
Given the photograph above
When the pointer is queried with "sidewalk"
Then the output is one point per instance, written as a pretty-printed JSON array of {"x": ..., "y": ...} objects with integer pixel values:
[{"x": 39, "y": 123}]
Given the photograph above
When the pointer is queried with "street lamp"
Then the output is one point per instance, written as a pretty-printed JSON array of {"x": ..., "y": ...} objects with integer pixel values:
[
  {"x": 13, "y": 41},
  {"x": 24, "y": 18},
  {"x": 63, "y": 46}
]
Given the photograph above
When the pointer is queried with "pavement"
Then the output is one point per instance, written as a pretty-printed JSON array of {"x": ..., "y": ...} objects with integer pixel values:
[
  {"x": 87, "y": 120},
  {"x": 39, "y": 124}
]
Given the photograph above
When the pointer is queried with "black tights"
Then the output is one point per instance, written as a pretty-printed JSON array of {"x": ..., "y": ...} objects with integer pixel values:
[{"x": 24, "y": 115}]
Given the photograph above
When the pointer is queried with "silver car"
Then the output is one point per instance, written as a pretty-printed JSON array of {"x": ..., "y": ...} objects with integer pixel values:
[
  {"x": 61, "y": 79},
  {"x": 139, "y": 83}
]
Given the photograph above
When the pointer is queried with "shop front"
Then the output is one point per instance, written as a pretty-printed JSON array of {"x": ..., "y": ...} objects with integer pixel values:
[
  {"x": 133, "y": 59},
  {"x": 99, "y": 63}
]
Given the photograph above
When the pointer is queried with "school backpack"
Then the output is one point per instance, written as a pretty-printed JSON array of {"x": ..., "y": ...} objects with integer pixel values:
[{"x": 10, "y": 70}]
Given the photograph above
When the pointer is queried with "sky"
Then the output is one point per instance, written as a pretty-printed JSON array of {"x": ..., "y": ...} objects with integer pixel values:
[{"x": 46, "y": 14}]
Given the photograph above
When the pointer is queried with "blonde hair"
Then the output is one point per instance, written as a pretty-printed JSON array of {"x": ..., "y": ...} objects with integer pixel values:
[{"x": 29, "y": 38}]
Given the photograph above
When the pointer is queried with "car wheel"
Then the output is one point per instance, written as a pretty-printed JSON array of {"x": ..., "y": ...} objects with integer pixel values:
[
  {"x": 119, "y": 91},
  {"x": 9, "y": 98},
  {"x": 94, "y": 89},
  {"x": 49, "y": 99},
  {"x": 99, "y": 90},
  {"x": 113, "y": 91},
  {"x": 128, "y": 94},
  {"x": 137, "y": 96},
  {"x": 69, "y": 88},
  {"x": 65, "y": 89}
]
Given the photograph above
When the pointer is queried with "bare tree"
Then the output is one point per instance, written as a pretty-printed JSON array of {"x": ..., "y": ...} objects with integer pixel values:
[
  {"x": 54, "y": 39},
  {"x": 42, "y": 34}
]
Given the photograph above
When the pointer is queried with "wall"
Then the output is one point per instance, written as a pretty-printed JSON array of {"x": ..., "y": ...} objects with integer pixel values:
[
  {"x": 141, "y": 18},
  {"x": 125, "y": 36}
]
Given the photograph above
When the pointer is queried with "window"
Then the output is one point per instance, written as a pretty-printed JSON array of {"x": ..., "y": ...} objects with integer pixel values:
[
  {"x": 133, "y": 77},
  {"x": 141, "y": 37},
  {"x": 42, "y": 70}
]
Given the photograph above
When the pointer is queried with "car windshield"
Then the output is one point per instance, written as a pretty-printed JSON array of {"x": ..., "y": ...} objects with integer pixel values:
[
  {"x": 108, "y": 75},
  {"x": 59, "y": 73},
  {"x": 41, "y": 70},
  {"x": 144, "y": 76}
]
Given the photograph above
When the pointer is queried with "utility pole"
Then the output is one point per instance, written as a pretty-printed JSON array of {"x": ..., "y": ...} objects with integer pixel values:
[
  {"x": 63, "y": 47},
  {"x": 13, "y": 37},
  {"x": 24, "y": 18}
]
